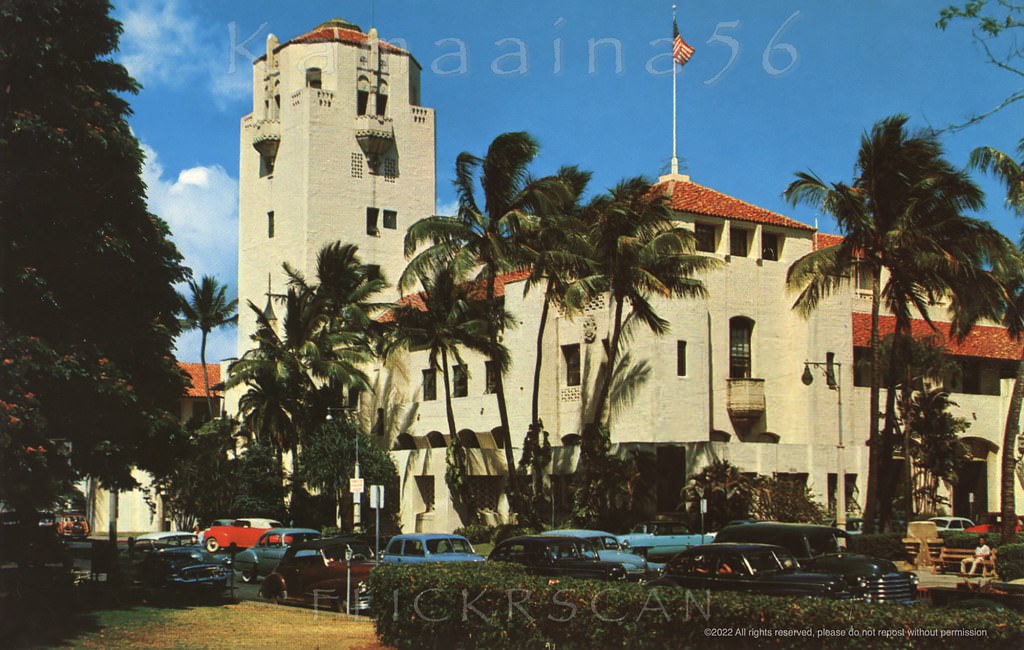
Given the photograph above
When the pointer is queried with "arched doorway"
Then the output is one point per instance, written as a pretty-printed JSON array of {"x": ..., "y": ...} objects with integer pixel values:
[{"x": 970, "y": 494}]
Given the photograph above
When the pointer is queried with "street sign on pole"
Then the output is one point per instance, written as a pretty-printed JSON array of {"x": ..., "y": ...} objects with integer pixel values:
[
  {"x": 356, "y": 485},
  {"x": 376, "y": 496}
]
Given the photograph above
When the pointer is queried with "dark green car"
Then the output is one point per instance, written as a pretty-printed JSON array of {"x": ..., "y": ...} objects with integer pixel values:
[{"x": 818, "y": 550}]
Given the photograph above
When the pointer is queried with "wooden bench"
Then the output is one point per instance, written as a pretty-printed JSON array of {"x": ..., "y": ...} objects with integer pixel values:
[{"x": 951, "y": 561}]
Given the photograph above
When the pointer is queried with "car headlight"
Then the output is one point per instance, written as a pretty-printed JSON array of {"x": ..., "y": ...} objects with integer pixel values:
[
  {"x": 625, "y": 543},
  {"x": 914, "y": 579},
  {"x": 362, "y": 589},
  {"x": 861, "y": 582}
]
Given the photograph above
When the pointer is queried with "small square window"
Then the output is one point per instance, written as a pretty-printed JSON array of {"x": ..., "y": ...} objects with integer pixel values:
[
  {"x": 460, "y": 381},
  {"x": 571, "y": 356},
  {"x": 738, "y": 242},
  {"x": 390, "y": 219},
  {"x": 705, "y": 237},
  {"x": 681, "y": 358},
  {"x": 270, "y": 225},
  {"x": 429, "y": 385}
]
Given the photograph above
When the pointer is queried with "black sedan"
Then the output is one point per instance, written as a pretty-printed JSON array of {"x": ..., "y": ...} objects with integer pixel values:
[
  {"x": 751, "y": 568},
  {"x": 183, "y": 566},
  {"x": 556, "y": 556}
]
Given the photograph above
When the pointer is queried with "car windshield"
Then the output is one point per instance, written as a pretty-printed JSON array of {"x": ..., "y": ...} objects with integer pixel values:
[
  {"x": 822, "y": 543},
  {"x": 448, "y": 545},
  {"x": 604, "y": 542}
]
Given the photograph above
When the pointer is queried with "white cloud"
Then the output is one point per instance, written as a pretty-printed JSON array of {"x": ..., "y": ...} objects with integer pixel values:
[
  {"x": 449, "y": 209},
  {"x": 201, "y": 208},
  {"x": 164, "y": 44}
]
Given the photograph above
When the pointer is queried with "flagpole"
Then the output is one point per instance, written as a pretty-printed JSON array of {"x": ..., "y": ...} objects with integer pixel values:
[{"x": 675, "y": 159}]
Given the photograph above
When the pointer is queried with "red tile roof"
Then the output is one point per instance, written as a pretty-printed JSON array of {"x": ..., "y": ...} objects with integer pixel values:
[
  {"x": 478, "y": 292},
  {"x": 983, "y": 341},
  {"x": 340, "y": 31},
  {"x": 687, "y": 196},
  {"x": 194, "y": 373},
  {"x": 824, "y": 240}
]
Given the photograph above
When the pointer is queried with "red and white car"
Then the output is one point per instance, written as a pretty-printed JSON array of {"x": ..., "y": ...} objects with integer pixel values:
[{"x": 243, "y": 533}]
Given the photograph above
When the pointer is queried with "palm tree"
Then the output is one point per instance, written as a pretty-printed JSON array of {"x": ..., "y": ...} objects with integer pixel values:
[
  {"x": 484, "y": 241},
  {"x": 640, "y": 254},
  {"x": 294, "y": 375},
  {"x": 903, "y": 214},
  {"x": 442, "y": 319},
  {"x": 206, "y": 309},
  {"x": 1011, "y": 173}
]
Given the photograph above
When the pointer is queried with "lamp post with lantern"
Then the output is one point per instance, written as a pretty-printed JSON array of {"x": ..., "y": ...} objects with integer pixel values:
[{"x": 834, "y": 380}]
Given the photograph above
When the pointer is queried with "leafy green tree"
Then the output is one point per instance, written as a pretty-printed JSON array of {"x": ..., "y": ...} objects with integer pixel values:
[
  {"x": 903, "y": 216},
  {"x": 201, "y": 484},
  {"x": 730, "y": 494},
  {"x": 207, "y": 308},
  {"x": 778, "y": 498},
  {"x": 483, "y": 240},
  {"x": 86, "y": 272},
  {"x": 327, "y": 460},
  {"x": 1011, "y": 173},
  {"x": 259, "y": 486}
]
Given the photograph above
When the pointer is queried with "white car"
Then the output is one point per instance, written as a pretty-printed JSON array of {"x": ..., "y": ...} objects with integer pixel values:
[{"x": 952, "y": 523}]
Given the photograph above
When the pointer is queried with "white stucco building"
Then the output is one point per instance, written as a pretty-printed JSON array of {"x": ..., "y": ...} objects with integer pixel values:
[{"x": 338, "y": 148}]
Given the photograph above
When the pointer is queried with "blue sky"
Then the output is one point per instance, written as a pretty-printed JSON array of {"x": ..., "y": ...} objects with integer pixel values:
[{"x": 808, "y": 77}]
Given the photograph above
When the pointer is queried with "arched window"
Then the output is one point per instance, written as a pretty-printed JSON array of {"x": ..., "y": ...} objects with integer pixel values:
[
  {"x": 740, "y": 330},
  {"x": 382, "y": 99},
  {"x": 362, "y": 95}
]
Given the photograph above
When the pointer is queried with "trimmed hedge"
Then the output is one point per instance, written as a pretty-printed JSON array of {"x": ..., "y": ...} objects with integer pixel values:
[
  {"x": 952, "y": 539},
  {"x": 886, "y": 545},
  {"x": 493, "y": 605},
  {"x": 1010, "y": 562}
]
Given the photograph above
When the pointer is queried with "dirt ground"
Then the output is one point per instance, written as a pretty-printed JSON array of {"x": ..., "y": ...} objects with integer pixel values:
[{"x": 243, "y": 625}]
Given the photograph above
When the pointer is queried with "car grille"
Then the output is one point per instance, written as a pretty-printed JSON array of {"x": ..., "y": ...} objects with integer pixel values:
[{"x": 891, "y": 587}]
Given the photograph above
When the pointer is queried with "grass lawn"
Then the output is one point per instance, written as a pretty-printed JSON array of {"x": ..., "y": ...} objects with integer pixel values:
[{"x": 243, "y": 625}]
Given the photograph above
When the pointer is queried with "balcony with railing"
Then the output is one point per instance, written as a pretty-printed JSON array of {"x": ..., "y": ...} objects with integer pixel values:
[{"x": 745, "y": 402}]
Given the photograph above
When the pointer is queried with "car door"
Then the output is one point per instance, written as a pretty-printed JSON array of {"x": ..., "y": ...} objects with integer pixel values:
[
  {"x": 413, "y": 551},
  {"x": 730, "y": 573},
  {"x": 269, "y": 551},
  {"x": 393, "y": 551}
]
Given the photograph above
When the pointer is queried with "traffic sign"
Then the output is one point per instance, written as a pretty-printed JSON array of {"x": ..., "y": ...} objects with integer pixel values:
[
  {"x": 356, "y": 485},
  {"x": 376, "y": 496}
]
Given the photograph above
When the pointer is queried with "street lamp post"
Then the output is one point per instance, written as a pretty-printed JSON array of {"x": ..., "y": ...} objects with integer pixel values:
[
  {"x": 357, "y": 518},
  {"x": 834, "y": 379}
]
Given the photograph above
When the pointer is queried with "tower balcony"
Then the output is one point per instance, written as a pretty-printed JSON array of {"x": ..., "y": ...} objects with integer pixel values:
[
  {"x": 264, "y": 135},
  {"x": 745, "y": 402},
  {"x": 376, "y": 137}
]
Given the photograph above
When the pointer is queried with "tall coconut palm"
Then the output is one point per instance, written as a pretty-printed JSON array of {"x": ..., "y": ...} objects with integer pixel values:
[
  {"x": 442, "y": 319},
  {"x": 207, "y": 308},
  {"x": 641, "y": 254},
  {"x": 556, "y": 248},
  {"x": 483, "y": 241},
  {"x": 902, "y": 215},
  {"x": 1011, "y": 173}
]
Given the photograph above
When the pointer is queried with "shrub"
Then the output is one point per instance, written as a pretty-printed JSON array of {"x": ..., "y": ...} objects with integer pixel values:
[
  {"x": 952, "y": 539},
  {"x": 495, "y": 605},
  {"x": 476, "y": 533},
  {"x": 1010, "y": 561},
  {"x": 884, "y": 545},
  {"x": 505, "y": 531}
]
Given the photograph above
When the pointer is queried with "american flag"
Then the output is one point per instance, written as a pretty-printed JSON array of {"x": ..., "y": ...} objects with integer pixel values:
[{"x": 681, "y": 50}]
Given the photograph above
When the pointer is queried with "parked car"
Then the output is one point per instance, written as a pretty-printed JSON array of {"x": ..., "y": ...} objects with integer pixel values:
[
  {"x": 183, "y": 567},
  {"x": 260, "y": 559},
  {"x": 317, "y": 573},
  {"x": 428, "y": 547},
  {"x": 818, "y": 551},
  {"x": 153, "y": 541},
  {"x": 952, "y": 523},
  {"x": 990, "y": 522},
  {"x": 750, "y": 568},
  {"x": 549, "y": 555},
  {"x": 72, "y": 524},
  {"x": 609, "y": 550},
  {"x": 660, "y": 540},
  {"x": 243, "y": 533}
]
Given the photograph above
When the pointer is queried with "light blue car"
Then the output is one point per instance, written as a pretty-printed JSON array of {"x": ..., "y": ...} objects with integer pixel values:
[
  {"x": 261, "y": 559},
  {"x": 660, "y": 540},
  {"x": 609, "y": 550},
  {"x": 429, "y": 547}
]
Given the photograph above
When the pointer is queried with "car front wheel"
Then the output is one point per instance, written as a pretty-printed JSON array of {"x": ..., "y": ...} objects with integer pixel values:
[{"x": 212, "y": 545}]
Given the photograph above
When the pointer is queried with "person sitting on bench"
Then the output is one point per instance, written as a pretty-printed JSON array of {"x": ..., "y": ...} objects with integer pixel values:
[{"x": 982, "y": 555}]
